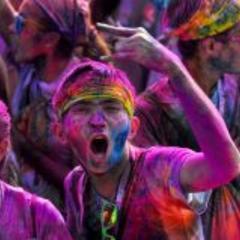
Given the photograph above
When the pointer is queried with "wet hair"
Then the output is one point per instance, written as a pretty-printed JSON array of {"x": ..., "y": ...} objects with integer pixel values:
[{"x": 5, "y": 122}]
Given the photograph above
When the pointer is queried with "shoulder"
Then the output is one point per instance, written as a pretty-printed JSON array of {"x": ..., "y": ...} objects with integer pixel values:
[
  {"x": 165, "y": 159},
  {"x": 25, "y": 200},
  {"x": 152, "y": 153},
  {"x": 158, "y": 158},
  {"x": 162, "y": 167},
  {"x": 167, "y": 153},
  {"x": 17, "y": 194}
]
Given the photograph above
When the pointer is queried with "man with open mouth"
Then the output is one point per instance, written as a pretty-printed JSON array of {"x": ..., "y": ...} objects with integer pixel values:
[{"x": 119, "y": 191}]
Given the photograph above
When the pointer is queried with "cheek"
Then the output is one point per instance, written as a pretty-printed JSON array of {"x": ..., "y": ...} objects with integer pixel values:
[
  {"x": 25, "y": 37},
  {"x": 29, "y": 41},
  {"x": 118, "y": 137},
  {"x": 232, "y": 60},
  {"x": 74, "y": 130}
]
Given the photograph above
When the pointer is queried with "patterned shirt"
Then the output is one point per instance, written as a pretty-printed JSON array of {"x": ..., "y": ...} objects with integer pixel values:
[
  {"x": 163, "y": 122},
  {"x": 153, "y": 205},
  {"x": 25, "y": 216}
]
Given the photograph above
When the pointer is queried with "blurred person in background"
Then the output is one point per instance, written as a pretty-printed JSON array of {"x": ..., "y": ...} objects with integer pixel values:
[
  {"x": 43, "y": 36},
  {"x": 23, "y": 215}
]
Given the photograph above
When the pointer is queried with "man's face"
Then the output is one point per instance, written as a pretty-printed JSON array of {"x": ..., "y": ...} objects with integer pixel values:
[
  {"x": 27, "y": 33},
  {"x": 97, "y": 131}
]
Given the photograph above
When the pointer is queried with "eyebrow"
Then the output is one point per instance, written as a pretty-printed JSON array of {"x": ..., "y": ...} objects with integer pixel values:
[
  {"x": 104, "y": 101},
  {"x": 110, "y": 101}
]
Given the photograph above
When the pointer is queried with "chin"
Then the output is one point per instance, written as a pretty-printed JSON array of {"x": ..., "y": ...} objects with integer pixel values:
[
  {"x": 97, "y": 168},
  {"x": 97, "y": 171}
]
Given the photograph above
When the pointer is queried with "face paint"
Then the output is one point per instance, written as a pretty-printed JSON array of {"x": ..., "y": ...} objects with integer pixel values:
[
  {"x": 119, "y": 138},
  {"x": 97, "y": 130},
  {"x": 90, "y": 88}
]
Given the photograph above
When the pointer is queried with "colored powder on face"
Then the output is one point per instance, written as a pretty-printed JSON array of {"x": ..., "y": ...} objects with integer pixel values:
[
  {"x": 161, "y": 4},
  {"x": 119, "y": 138}
]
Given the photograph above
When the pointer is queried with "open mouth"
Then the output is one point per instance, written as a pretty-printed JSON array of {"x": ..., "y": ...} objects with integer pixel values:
[{"x": 99, "y": 145}]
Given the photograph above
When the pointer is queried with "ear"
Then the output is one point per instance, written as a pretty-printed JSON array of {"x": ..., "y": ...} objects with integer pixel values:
[
  {"x": 58, "y": 131},
  {"x": 211, "y": 47},
  {"x": 135, "y": 123}
]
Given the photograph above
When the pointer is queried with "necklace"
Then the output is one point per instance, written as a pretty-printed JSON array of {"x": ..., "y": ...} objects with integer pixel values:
[{"x": 110, "y": 210}]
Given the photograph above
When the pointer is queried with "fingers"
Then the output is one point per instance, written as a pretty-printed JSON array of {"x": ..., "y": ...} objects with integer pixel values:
[{"x": 118, "y": 30}]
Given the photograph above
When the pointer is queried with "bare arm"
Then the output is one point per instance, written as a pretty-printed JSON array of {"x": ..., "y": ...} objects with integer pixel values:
[{"x": 219, "y": 161}]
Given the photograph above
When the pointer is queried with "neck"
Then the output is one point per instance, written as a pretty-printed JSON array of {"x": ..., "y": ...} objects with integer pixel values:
[
  {"x": 51, "y": 67},
  {"x": 203, "y": 73},
  {"x": 107, "y": 184}
]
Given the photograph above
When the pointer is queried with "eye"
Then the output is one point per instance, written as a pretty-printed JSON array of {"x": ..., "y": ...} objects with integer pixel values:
[
  {"x": 112, "y": 108},
  {"x": 81, "y": 109}
]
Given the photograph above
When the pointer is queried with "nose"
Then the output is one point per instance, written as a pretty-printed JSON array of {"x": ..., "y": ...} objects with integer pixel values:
[{"x": 97, "y": 120}]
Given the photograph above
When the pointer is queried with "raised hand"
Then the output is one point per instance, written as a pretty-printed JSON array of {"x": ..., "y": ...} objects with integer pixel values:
[{"x": 138, "y": 45}]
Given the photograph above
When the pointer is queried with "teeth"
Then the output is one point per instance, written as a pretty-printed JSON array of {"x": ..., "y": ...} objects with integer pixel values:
[{"x": 99, "y": 137}]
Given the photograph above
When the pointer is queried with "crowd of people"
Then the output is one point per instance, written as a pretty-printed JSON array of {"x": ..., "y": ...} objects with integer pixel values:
[{"x": 90, "y": 150}]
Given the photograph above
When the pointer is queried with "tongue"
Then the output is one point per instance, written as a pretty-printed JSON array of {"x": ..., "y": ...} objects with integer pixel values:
[{"x": 99, "y": 146}]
